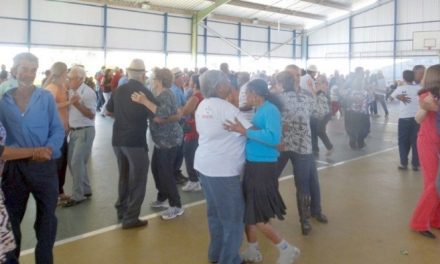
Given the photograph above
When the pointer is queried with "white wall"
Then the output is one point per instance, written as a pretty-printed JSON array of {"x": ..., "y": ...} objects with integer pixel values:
[
  {"x": 86, "y": 29},
  {"x": 328, "y": 42},
  {"x": 372, "y": 37}
]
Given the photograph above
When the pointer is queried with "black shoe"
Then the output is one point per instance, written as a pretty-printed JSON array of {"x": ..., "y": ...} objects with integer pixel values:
[
  {"x": 427, "y": 233},
  {"x": 321, "y": 218},
  {"x": 306, "y": 228},
  {"x": 136, "y": 224},
  {"x": 402, "y": 167},
  {"x": 353, "y": 144},
  {"x": 180, "y": 179},
  {"x": 415, "y": 168},
  {"x": 88, "y": 195}
]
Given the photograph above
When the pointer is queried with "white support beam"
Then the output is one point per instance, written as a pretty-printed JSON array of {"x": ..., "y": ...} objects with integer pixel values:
[
  {"x": 274, "y": 9},
  {"x": 260, "y": 22},
  {"x": 329, "y": 3}
]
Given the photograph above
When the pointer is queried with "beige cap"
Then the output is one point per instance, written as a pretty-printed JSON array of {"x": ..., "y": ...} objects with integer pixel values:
[
  {"x": 176, "y": 72},
  {"x": 312, "y": 68},
  {"x": 136, "y": 65}
]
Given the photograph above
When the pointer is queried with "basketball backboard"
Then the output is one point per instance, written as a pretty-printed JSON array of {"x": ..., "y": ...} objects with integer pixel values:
[{"x": 426, "y": 40}]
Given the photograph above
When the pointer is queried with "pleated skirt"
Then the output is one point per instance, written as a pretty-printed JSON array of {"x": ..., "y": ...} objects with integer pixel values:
[{"x": 262, "y": 197}]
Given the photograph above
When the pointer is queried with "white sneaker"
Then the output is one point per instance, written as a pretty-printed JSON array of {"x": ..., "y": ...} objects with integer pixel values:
[
  {"x": 288, "y": 255},
  {"x": 330, "y": 151},
  {"x": 159, "y": 204},
  {"x": 192, "y": 187},
  {"x": 172, "y": 213},
  {"x": 252, "y": 255}
]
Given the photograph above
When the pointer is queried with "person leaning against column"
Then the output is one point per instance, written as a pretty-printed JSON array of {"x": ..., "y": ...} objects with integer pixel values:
[
  {"x": 56, "y": 84},
  {"x": 263, "y": 200},
  {"x": 82, "y": 111},
  {"x": 219, "y": 160},
  {"x": 30, "y": 117},
  {"x": 427, "y": 212},
  {"x": 129, "y": 142}
]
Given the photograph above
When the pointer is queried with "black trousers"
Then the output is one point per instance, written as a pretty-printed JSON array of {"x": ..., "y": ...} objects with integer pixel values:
[
  {"x": 189, "y": 150},
  {"x": 319, "y": 130},
  {"x": 62, "y": 166},
  {"x": 357, "y": 125},
  {"x": 20, "y": 179},
  {"x": 163, "y": 173},
  {"x": 407, "y": 133}
]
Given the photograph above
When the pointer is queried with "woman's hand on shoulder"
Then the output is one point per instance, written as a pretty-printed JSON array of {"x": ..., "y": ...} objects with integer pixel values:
[
  {"x": 139, "y": 97},
  {"x": 235, "y": 126}
]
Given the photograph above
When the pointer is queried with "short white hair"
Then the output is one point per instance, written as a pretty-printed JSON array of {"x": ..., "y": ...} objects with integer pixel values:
[
  {"x": 210, "y": 81},
  {"x": 80, "y": 72}
]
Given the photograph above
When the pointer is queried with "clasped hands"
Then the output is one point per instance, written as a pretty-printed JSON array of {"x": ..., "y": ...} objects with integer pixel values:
[
  {"x": 42, "y": 154},
  {"x": 75, "y": 99}
]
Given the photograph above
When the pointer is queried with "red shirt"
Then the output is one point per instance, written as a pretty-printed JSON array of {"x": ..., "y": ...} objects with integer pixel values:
[
  {"x": 428, "y": 127},
  {"x": 192, "y": 135},
  {"x": 115, "y": 80}
]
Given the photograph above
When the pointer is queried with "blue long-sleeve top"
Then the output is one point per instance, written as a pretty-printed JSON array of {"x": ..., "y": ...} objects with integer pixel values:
[
  {"x": 263, "y": 138},
  {"x": 38, "y": 126}
]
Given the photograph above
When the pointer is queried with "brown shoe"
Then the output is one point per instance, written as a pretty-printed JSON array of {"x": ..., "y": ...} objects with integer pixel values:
[
  {"x": 136, "y": 224},
  {"x": 70, "y": 203}
]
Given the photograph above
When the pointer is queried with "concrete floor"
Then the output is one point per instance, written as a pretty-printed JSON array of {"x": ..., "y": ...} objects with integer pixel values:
[{"x": 366, "y": 199}]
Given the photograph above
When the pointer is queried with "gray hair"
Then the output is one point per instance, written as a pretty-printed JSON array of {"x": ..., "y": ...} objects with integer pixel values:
[
  {"x": 24, "y": 56},
  {"x": 209, "y": 82},
  {"x": 135, "y": 75},
  {"x": 80, "y": 72}
]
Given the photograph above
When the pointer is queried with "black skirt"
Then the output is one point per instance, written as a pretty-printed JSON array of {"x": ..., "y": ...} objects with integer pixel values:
[{"x": 262, "y": 198}]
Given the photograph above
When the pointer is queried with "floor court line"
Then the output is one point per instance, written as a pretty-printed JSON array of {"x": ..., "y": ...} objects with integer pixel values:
[{"x": 150, "y": 216}]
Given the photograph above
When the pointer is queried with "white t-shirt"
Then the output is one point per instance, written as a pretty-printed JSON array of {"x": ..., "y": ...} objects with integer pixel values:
[
  {"x": 410, "y": 109},
  {"x": 381, "y": 88},
  {"x": 88, "y": 99},
  {"x": 220, "y": 153},
  {"x": 305, "y": 81},
  {"x": 242, "y": 101}
]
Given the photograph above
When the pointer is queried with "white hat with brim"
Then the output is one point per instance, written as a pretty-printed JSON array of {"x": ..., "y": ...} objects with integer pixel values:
[
  {"x": 137, "y": 65},
  {"x": 312, "y": 68}
]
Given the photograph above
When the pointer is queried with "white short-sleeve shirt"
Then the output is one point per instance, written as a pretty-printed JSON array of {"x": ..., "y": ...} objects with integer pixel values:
[
  {"x": 220, "y": 153},
  {"x": 88, "y": 99},
  {"x": 410, "y": 109},
  {"x": 242, "y": 101}
]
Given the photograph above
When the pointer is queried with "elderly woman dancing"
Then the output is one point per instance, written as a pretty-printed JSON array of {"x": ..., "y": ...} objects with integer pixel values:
[{"x": 219, "y": 159}]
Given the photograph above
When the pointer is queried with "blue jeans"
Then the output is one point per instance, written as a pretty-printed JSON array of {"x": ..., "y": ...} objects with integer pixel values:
[
  {"x": 225, "y": 205},
  {"x": 20, "y": 179},
  {"x": 305, "y": 176}
]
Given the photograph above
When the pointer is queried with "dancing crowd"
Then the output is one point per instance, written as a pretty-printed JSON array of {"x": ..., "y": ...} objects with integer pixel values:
[{"x": 235, "y": 131}]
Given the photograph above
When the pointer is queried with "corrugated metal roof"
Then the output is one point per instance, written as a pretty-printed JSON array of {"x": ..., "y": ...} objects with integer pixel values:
[{"x": 292, "y": 12}]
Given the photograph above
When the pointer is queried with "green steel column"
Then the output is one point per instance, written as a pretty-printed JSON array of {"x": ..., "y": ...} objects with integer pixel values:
[{"x": 196, "y": 19}]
